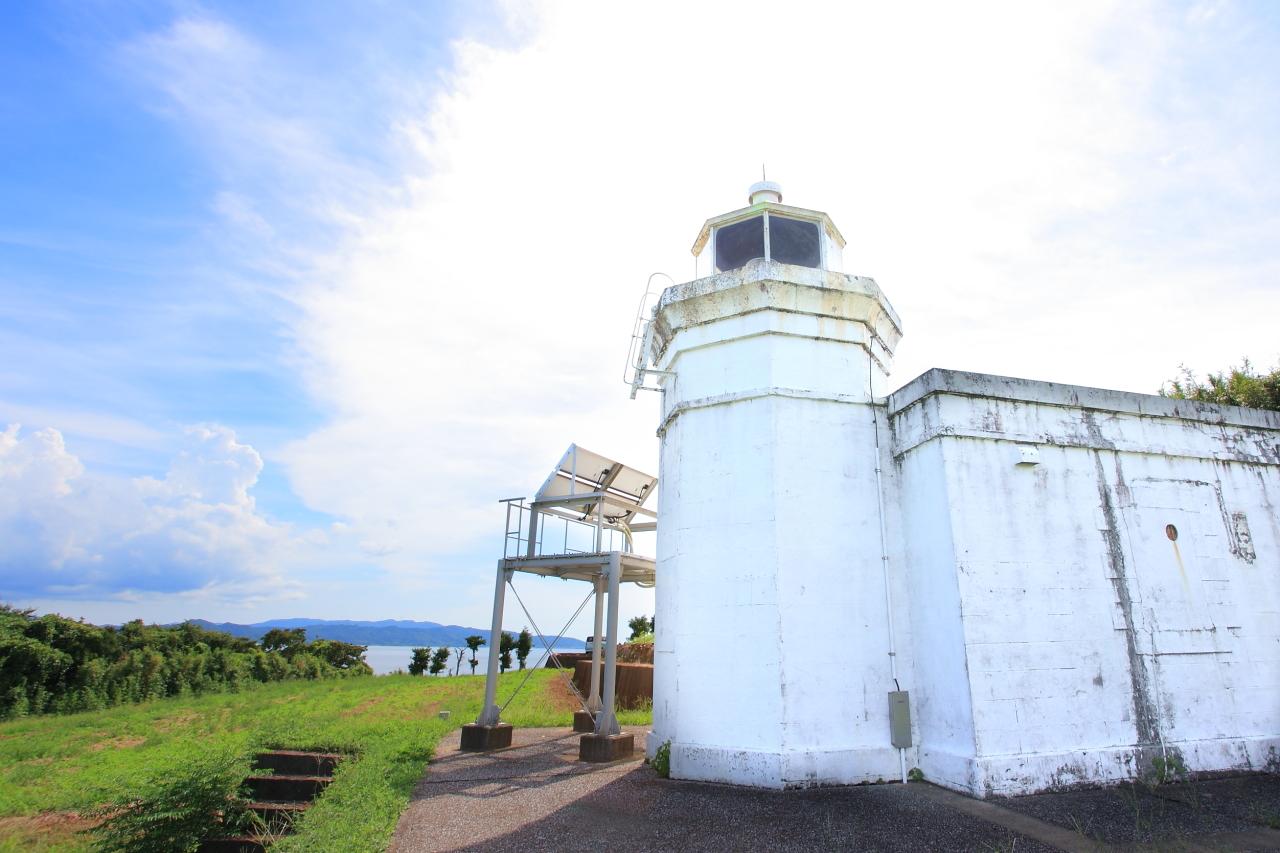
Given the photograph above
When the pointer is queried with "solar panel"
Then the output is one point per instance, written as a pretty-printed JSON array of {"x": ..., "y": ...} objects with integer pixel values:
[{"x": 582, "y": 472}]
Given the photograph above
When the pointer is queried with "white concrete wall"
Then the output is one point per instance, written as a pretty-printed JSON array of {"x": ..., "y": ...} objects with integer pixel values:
[
  {"x": 1048, "y": 631},
  {"x": 772, "y": 664},
  {"x": 1090, "y": 644},
  {"x": 832, "y": 620},
  {"x": 941, "y": 707}
]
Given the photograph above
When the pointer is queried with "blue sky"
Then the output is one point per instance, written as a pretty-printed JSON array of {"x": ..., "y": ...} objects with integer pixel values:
[
  {"x": 291, "y": 295},
  {"x": 121, "y": 280}
]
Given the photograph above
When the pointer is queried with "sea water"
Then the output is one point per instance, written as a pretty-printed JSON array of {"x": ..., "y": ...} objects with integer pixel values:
[{"x": 386, "y": 659}]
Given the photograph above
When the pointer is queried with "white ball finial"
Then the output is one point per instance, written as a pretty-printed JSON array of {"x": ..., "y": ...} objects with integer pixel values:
[{"x": 765, "y": 191}]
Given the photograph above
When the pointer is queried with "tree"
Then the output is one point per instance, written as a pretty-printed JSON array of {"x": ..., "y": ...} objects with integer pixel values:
[
  {"x": 286, "y": 641},
  {"x": 506, "y": 644},
  {"x": 1240, "y": 386},
  {"x": 474, "y": 642},
  {"x": 460, "y": 653},
  {"x": 640, "y": 626},
  {"x": 338, "y": 654},
  {"x": 440, "y": 660},
  {"x": 524, "y": 645},
  {"x": 420, "y": 662}
]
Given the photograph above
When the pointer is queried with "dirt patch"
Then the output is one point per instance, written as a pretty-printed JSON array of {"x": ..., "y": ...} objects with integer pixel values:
[
  {"x": 561, "y": 695},
  {"x": 165, "y": 724},
  {"x": 364, "y": 707},
  {"x": 121, "y": 742},
  {"x": 46, "y": 831},
  {"x": 430, "y": 709}
]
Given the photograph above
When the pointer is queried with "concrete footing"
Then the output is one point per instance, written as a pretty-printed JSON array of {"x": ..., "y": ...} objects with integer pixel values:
[
  {"x": 594, "y": 747},
  {"x": 478, "y": 738},
  {"x": 583, "y": 721}
]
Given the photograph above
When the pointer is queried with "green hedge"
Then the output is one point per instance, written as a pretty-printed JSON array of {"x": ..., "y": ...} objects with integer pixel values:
[{"x": 54, "y": 665}]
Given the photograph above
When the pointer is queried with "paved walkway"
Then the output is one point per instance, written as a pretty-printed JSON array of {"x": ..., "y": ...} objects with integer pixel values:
[{"x": 537, "y": 796}]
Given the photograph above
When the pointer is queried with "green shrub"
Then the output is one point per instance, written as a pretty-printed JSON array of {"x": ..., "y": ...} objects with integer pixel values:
[
  {"x": 178, "y": 807},
  {"x": 662, "y": 760},
  {"x": 1239, "y": 386},
  {"x": 51, "y": 664}
]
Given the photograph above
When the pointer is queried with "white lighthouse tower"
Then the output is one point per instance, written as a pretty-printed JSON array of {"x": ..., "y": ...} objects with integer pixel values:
[{"x": 775, "y": 649}]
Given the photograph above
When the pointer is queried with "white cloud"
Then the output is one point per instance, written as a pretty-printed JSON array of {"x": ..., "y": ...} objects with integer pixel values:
[
  {"x": 70, "y": 532},
  {"x": 462, "y": 336},
  {"x": 1041, "y": 189}
]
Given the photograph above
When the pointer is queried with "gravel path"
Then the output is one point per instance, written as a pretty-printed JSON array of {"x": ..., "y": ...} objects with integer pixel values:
[{"x": 537, "y": 796}]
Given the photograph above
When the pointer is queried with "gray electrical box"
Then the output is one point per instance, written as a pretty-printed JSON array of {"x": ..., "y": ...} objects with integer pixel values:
[{"x": 899, "y": 719}]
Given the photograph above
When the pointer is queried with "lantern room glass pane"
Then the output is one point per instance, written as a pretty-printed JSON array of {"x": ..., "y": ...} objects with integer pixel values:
[
  {"x": 738, "y": 243},
  {"x": 794, "y": 241}
]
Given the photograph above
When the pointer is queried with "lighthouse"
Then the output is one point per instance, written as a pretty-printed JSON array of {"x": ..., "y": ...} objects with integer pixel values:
[{"x": 777, "y": 655}]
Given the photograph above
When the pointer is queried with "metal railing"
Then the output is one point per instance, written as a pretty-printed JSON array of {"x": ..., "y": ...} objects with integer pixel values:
[{"x": 555, "y": 535}]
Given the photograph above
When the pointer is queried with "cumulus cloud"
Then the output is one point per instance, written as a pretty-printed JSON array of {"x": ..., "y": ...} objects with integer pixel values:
[
  {"x": 1041, "y": 189},
  {"x": 461, "y": 336},
  {"x": 68, "y": 532}
]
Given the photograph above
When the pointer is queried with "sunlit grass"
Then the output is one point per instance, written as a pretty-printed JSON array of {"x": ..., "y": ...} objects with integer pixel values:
[{"x": 388, "y": 724}]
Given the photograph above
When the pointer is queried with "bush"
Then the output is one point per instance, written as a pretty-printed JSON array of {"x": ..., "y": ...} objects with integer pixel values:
[
  {"x": 50, "y": 664},
  {"x": 178, "y": 807},
  {"x": 1238, "y": 386}
]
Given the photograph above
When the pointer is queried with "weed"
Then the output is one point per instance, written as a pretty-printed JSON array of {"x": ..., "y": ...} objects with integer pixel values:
[
  {"x": 1267, "y": 817},
  {"x": 1170, "y": 768},
  {"x": 915, "y": 774},
  {"x": 1083, "y": 828},
  {"x": 662, "y": 760}
]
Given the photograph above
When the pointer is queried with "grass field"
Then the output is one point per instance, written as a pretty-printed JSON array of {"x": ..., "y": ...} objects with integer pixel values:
[{"x": 52, "y": 768}]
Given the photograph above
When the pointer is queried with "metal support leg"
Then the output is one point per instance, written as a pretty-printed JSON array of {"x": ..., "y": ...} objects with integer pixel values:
[
  {"x": 489, "y": 714},
  {"x": 607, "y": 720},
  {"x": 532, "y": 549},
  {"x": 593, "y": 698}
]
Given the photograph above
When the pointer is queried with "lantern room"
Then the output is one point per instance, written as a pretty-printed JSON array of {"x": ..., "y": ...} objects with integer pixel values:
[{"x": 771, "y": 230}]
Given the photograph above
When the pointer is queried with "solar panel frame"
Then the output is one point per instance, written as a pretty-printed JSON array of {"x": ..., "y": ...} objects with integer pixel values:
[{"x": 588, "y": 479}]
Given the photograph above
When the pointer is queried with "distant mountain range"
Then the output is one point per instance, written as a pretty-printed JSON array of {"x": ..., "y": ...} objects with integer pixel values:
[{"x": 384, "y": 632}]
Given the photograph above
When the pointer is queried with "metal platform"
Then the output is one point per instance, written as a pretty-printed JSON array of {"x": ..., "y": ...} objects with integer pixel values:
[
  {"x": 594, "y": 505},
  {"x": 586, "y": 567}
]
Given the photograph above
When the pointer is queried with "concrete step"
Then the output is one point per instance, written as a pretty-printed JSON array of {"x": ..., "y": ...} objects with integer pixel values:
[
  {"x": 293, "y": 780},
  {"x": 286, "y": 787},
  {"x": 278, "y": 817},
  {"x": 297, "y": 763}
]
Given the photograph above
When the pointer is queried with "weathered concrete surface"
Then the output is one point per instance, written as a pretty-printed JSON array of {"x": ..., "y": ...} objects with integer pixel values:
[
  {"x": 603, "y": 748},
  {"x": 769, "y": 528},
  {"x": 1074, "y": 585},
  {"x": 1060, "y": 635},
  {"x": 479, "y": 737}
]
